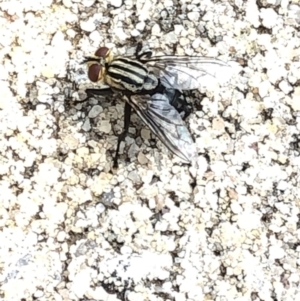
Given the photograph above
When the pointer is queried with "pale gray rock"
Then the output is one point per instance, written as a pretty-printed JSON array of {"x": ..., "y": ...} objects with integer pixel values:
[
  {"x": 86, "y": 125},
  {"x": 105, "y": 126},
  {"x": 95, "y": 111},
  {"x": 116, "y": 3},
  {"x": 294, "y": 12},
  {"x": 285, "y": 87},
  {"x": 269, "y": 17}
]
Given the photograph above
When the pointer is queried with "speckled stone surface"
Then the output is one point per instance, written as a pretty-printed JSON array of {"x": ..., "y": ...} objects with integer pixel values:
[{"x": 72, "y": 228}]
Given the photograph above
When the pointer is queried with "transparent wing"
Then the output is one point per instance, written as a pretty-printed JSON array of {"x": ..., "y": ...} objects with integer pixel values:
[
  {"x": 184, "y": 72},
  {"x": 165, "y": 122}
]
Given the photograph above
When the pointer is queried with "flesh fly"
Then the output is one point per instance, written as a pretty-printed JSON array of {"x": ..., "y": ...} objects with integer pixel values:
[{"x": 153, "y": 87}]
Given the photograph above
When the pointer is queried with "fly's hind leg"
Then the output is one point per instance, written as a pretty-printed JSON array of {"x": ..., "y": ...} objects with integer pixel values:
[{"x": 122, "y": 136}]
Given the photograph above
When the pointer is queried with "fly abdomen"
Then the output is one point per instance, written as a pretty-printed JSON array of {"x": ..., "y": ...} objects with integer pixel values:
[{"x": 127, "y": 74}]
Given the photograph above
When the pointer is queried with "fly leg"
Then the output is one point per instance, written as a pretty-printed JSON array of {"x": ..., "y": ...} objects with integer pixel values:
[
  {"x": 91, "y": 92},
  {"x": 127, "y": 114}
]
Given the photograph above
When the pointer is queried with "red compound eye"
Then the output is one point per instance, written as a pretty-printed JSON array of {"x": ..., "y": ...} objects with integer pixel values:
[
  {"x": 94, "y": 72},
  {"x": 102, "y": 52}
]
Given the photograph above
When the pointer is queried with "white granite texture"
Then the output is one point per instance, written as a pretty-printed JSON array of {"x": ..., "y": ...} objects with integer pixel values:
[{"x": 72, "y": 228}]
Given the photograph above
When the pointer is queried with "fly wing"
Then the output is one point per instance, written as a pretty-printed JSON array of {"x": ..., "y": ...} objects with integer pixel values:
[
  {"x": 165, "y": 122},
  {"x": 184, "y": 72}
]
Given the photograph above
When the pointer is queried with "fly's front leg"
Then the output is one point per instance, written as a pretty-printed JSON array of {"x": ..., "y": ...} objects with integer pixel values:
[
  {"x": 127, "y": 114},
  {"x": 91, "y": 92}
]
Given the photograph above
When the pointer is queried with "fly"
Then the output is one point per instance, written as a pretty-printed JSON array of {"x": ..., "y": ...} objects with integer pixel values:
[{"x": 153, "y": 87}]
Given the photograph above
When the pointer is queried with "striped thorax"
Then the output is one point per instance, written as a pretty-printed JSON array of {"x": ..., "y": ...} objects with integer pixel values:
[{"x": 121, "y": 73}]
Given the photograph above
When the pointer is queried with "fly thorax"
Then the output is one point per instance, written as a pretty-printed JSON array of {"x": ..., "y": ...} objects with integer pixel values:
[
  {"x": 151, "y": 82},
  {"x": 126, "y": 74}
]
